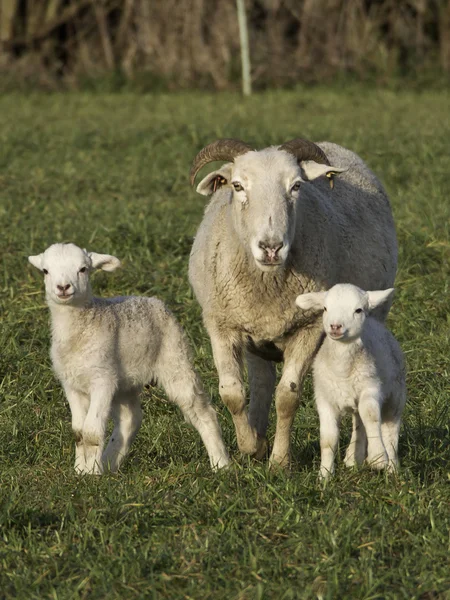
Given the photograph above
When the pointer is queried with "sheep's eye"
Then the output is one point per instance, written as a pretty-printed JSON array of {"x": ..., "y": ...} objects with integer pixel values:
[
  {"x": 358, "y": 311},
  {"x": 237, "y": 186},
  {"x": 296, "y": 186},
  {"x": 45, "y": 271},
  {"x": 324, "y": 309},
  {"x": 83, "y": 270}
]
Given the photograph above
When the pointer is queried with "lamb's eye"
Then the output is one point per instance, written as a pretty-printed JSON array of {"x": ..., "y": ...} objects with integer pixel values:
[
  {"x": 324, "y": 309},
  {"x": 45, "y": 271},
  {"x": 358, "y": 311},
  {"x": 237, "y": 186},
  {"x": 296, "y": 186},
  {"x": 83, "y": 270}
]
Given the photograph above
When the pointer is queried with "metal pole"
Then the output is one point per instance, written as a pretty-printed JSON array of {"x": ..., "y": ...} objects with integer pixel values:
[{"x": 245, "y": 53}]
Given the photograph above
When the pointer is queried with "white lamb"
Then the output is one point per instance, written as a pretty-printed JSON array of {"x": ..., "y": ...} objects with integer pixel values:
[
  {"x": 359, "y": 368},
  {"x": 105, "y": 350}
]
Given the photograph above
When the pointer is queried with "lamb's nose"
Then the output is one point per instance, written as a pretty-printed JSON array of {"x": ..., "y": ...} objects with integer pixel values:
[
  {"x": 335, "y": 328},
  {"x": 63, "y": 288}
]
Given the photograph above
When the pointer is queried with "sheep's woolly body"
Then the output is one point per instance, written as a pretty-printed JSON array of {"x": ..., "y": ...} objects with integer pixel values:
[{"x": 346, "y": 234}]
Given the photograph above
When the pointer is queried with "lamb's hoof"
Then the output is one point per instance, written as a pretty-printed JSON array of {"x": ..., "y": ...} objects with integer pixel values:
[
  {"x": 379, "y": 463},
  {"x": 262, "y": 448}
]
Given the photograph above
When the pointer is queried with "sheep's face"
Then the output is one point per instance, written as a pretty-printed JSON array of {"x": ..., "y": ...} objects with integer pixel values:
[
  {"x": 345, "y": 308},
  {"x": 66, "y": 272},
  {"x": 265, "y": 188}
]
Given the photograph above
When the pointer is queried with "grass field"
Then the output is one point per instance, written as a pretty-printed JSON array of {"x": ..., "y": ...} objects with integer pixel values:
[{"x": 111, "y": 174}]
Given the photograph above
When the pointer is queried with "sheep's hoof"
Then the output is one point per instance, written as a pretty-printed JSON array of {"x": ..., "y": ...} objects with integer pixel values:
[
  {"x": 279, "y": 463},
  {"x": 262, "y": 448}
]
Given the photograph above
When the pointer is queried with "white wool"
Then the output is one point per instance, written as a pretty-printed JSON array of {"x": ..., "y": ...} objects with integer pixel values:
[
  {"x": 359, "y": 369},
  {"x": 274, "y": 229},
  {"x": 105, "y": 350}
]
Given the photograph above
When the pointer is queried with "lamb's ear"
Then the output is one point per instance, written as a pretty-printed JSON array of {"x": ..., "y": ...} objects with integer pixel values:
[
  {"x": 36, "y": 261},
  {"x": 106, "y": 262},
  {"x": 313, "y": 170},
  {"x": 215, "y": 180},
  {"x": 312, "y": 301},
  {"x": 379, "y": 297}
]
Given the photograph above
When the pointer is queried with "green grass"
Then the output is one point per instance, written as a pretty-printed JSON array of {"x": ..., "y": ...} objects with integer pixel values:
[{"x": 111, "y": 173}]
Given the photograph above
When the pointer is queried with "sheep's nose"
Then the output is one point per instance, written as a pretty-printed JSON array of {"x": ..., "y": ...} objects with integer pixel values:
[
  {"x": 63, "y": 288},
  {"x": 335, "y": 327},
  {"x": 271, "y": 249}
]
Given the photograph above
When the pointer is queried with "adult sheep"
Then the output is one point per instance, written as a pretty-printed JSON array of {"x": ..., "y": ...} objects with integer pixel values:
[{"x": 278, "y": 225}]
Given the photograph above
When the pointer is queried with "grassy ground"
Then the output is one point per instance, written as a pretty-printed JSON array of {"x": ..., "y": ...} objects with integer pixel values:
[{"x": 111, "y": 173}]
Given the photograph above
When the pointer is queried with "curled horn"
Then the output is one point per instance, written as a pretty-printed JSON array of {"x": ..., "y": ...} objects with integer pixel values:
[
  {"x": 226, "y": 149},
  {"x": 305, "y": 150}
]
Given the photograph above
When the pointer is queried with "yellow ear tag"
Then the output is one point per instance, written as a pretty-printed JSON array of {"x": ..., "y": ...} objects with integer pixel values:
[{"x": 330, "y": 176}]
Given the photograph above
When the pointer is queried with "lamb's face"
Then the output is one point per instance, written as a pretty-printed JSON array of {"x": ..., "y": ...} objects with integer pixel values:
[
  {"x": 66, "y": 273},
  {"x": 345, "y": 308},
  {"x": 66, "y": 270}
]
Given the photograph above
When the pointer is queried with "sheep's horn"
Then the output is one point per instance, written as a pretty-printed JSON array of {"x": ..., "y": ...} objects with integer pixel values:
[
  {"x": 226, "y": 149},
  {"x": 305, "y": 150}
]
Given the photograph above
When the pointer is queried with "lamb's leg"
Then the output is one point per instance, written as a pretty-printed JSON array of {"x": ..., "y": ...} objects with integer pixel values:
[
  {"x": 391, "y": 416},
  {"x": 370, "y": 413},
  {"x": 389, "y": 434},
  {"x": 357, "y": 448},
  {"x": 127, "y": 415},
  {"x": 298, "y": 356},
  {"x": 102, "y": 393},
  {"x": 329, "y": 437},
  {"x": 261, "y": 377},
  {"x": 228, "y": 360},
  {"x": 184, "y": 388},
  {"x": 79, "y": 405}
]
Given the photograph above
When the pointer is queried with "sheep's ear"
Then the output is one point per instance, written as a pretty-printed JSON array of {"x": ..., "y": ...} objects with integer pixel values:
[
  {"x": 215, "y": 180},
  {"x": 379, "y": 297},
  {"x": 312, "y": 301},
  {"x": 36, "y": 261},
  {"x": 106, "y": 262},
  {"x": 313, "y": 170}
]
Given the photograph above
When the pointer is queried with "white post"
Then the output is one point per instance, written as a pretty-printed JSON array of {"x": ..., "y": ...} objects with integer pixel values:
[{"x": 245, "y": 53}]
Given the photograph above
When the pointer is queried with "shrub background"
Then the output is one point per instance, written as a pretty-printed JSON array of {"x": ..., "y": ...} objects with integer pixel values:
[{"x": 173, "y": 44}]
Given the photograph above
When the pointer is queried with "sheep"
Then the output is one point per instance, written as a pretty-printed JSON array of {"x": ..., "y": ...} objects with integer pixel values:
[
  {"x": 104, "y": 350},
  {"x": 359, "y": 368},
  {"x": 280, "y": 223}
]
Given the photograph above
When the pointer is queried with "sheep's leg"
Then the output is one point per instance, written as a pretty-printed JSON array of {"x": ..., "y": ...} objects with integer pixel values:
[
  {"x": 184, "y": 388},
  {"x": 261, "y": 377},
  {"x": 370, "y": 413},
  {"x": 79, "y": 405},
  {"x": 228, "y": 360},
  {"x": 357, "y": 448},
  {"x": 329, "y": 437},
  {"x": 298, "y": 356},
  {"x": 127, "y": 415},
  {"x": 102, "y": 394}
]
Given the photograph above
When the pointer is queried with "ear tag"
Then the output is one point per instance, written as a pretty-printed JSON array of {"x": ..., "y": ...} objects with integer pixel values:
[
  {"x": 218, "y": 181},
  {"x": 330, "y": 176}
]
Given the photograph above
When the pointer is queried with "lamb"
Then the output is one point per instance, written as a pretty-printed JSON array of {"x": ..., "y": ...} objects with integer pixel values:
[
  {"x": 274, "y": 228},
  {"x": 105, "y": 350},
  {"x": 359, "y": 368}
]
